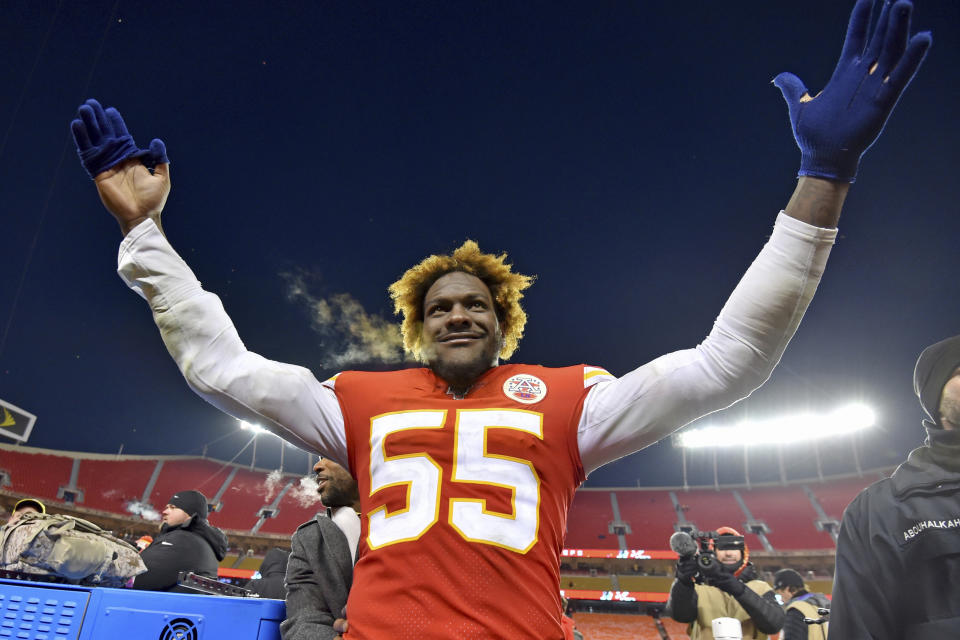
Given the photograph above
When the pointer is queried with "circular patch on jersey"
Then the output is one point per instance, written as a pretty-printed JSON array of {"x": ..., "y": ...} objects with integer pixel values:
[{"x": 525, "y": 388}]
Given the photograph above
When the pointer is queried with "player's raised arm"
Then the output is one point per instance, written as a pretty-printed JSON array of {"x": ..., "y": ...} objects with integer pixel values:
[
  {"x": 836, "y": 127},
  {"x": 133, "y": 183},
  {"x": 833, "y": 130}
]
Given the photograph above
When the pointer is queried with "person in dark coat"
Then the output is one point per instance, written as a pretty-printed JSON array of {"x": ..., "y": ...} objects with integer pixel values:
[
  {"x": 799, "y": 605},
  {"x": 320, "y": 570},
  {"x": 273, "y": 569},
  {"x": 186, "y": 542},
  {"x": 898, "y": 553}
]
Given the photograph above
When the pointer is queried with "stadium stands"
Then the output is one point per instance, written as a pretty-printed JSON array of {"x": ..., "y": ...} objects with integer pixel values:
[
  {"x": 710, "y": 509},
  {"x": 205, "y": 476},
  {"x": 34, "y": 472},
  {"x": 587, "y": 522},
  {"x": 835, "y": 495},
  {"x": 789, "y": 514},
  {"x": 247, "y": 494},
  {"x": 296, "y": 507},
  {"x": 651, "y": 517},
  {"x": 111, "y": 484}
]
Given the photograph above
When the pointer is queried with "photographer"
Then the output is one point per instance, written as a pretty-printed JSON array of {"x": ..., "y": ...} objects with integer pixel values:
[
  {"x": 720, "y": 582},
  {"x": 799, "y": 605}
]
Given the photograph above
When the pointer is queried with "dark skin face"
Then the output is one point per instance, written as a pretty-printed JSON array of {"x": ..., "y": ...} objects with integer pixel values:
[
  {"x": 336, "y": 486},
  {"x": 461, "y": 333}
]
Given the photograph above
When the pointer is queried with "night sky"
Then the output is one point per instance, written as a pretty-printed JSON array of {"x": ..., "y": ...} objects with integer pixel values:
[{"x": 632, "y": 155}]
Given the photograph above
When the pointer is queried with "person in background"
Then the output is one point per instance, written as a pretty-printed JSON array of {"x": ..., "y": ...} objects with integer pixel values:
[
  {"x": 799, "y": 604},
  {"x": 323, "y": 551},
  {"x": 898, "y": 553},
  {"x": 728, "y": 587},
  {"x": 143, "y": 542},
  {"x": 273, "y": 569},
  {"x": 186, "y": 542},
  {"x": 27, "y": 505}
]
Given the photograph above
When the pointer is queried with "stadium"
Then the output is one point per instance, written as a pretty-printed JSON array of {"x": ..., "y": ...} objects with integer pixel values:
[
  {"x": 617, "y": 566},
  {"x": 634, "y": 160}
]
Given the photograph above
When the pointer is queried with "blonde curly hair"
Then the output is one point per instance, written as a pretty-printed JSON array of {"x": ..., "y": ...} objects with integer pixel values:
[{"x": 506, "y": 289}]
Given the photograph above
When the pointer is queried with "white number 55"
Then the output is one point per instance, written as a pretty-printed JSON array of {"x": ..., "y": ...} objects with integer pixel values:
[{"x": 516, "y": 531}]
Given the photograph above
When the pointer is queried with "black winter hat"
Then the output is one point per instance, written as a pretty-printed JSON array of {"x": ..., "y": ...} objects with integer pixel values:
[
  {"x": 934, "y": 367},
  {"x": 193, "y": 502},
  {"x": 787, "y": 578}
]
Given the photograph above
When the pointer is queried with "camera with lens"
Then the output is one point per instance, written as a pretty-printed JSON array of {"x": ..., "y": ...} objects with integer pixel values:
[{"x": 704, "y": 545}]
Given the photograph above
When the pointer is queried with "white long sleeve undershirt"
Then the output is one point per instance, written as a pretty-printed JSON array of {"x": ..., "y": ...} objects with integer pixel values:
[{"x": 620, "y": 416}]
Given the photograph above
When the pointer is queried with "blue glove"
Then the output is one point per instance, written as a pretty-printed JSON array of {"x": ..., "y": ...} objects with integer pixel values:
[
  {"x": 835, "y": 128},
  {"x": 103, "y": 141}
]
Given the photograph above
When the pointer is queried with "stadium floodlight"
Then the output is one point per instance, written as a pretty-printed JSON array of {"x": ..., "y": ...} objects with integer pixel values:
[
  {"x": 249, "y": 426},
  {"x": 788, "y": 429}
]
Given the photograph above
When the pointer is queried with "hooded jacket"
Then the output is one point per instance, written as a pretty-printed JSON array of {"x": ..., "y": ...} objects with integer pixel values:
[
  {"x": 194, "y": 545},
  {"x": 898, "y": 553},
  {"x": 273, "y": 569}
]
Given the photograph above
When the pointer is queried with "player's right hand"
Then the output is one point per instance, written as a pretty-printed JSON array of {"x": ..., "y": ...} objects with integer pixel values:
[{"x": 340, "y": 625}]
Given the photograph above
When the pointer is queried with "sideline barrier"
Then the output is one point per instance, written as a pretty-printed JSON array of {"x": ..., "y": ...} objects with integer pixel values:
[{"x": 48, "y": 611}]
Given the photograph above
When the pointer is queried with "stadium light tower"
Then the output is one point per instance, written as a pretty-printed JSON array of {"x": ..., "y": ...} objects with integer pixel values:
[{"x": 781, "y": 430}]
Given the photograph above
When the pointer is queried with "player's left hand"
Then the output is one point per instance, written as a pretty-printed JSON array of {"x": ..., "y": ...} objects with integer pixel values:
[{"x": 835, "y": 128}]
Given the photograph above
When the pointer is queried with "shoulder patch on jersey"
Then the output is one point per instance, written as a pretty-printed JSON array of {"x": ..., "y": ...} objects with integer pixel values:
[
  {"x": 525, "y": 388},
  {"x": 593, "y": 375}
]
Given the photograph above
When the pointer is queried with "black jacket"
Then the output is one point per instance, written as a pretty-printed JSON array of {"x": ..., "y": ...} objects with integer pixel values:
[
  {"x": 194, "y": 546},
  {"x": 898, "y": 554},
  {"x": 684, "y": 604},
  {"x": 794, "y": 627},
  {"x": 273, "y": 569}
]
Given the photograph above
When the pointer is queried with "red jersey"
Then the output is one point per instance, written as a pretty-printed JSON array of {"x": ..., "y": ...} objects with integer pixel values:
[{"x": 464, "y": 501}]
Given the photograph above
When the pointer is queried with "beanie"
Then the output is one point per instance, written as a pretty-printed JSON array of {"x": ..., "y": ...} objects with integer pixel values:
[
  {"x": 787, "y": 578},
  {"x": 193, "y": 502}
]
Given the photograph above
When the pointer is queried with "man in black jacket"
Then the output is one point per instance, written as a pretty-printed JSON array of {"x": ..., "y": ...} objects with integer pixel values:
[
  {"x": 186, "y": 542},
  {"x": 725, "y": 587},
  {"x": 273, "y": 570},
  {"x": 799, "y": 605},
  {"x": 898, "y": 554}
]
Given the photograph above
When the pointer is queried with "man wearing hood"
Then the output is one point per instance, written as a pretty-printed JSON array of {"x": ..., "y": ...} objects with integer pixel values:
[
  {"x": 898, "y": 554},
  {"x": 186, "y": 542},
  {"x": 725, "y": 585},
  {"x": 273, "y": 569},
  {"x": 799, "y": 605}
]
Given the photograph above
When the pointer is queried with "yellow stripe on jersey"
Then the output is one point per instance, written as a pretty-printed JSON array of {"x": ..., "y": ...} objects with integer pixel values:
[
  {"x": 331, "y": 381},
  {"x": 593, "y": 375}
]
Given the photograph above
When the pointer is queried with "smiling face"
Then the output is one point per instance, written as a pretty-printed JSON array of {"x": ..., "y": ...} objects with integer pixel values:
[
  {"x": 336, "y": 486},
  {"x": 461, "y": 334},
  {"x": 730, "y": 556}
]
